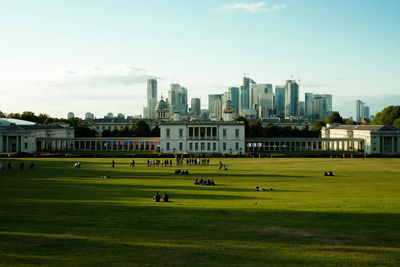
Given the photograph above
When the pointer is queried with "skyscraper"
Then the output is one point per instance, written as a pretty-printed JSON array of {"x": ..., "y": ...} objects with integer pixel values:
[
  {"x": 177, "y": 97},
  {"x": 291, "y": 98},
  {"x": 244, "y": 100},
  {"x": 195, "y": 107},
  {"x": 309, "y": 105},
  {"x": 322, "y": 106},
  {"x": 151, "y": 99},
  {"x": 360, "y": 109},
  {"x": 234, "y": 93},
  {"x": 265, "y": 100},
  {"x": 215, "y": 104},
  {"x": 280, "y": 100}
]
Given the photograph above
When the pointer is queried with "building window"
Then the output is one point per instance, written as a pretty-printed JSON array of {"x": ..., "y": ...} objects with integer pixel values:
[
  {"x": 237, "y": 132},
  {"x": 208, "y": 146},
  {"x": 224, "y": 146},
  {"x": 214, "y": 131},
  {"x": 167, "y": 132},
  {"x": 224, "y": 132},
  {"x": 180, "y": 132},
  {"x": 191, "y": 131},
  {"x": 180, "y": 146},
  {"x": 237, "y": 146},
  {"x": 214, "y": 146},
  {"x": 190, "y": 146},
  {"x": 196, "y": 146},
  {"x": 26, "y": 145},
  {"x": 167, "y": 145},
  {"x": 202, "y": 145}
]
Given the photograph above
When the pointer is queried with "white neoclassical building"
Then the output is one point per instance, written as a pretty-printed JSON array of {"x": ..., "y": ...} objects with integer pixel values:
[
  {"x": 202, "y": 137},
  {"x": 378, "y": 139},
  {"x": 22, "y": 136}
]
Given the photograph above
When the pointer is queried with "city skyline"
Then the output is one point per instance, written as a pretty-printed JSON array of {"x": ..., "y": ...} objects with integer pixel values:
[{"x": 48, "y": 50}]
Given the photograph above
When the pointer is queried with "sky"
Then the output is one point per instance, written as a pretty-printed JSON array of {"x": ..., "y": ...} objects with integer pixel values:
[{"x": 96, "y": 55}]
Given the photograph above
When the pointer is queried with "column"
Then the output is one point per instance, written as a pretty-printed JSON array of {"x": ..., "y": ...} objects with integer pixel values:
[
  {"x": 1, "y": 144},
  {"x": 393, "y": 145},
  {"x": 7, "y": 145}
]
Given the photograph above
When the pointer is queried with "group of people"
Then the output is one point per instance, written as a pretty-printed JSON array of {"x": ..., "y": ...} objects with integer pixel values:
[
  {"x": 329, "y": 174},
  {"x": 204, "y": 182},
  {"x": 158, "y": 162},
  {"x": 257, "y": 188},
  {"x": 157, "y": 197},
  {"x": 183, "y": 172},
  {"x": 21, "y": 166},
  {"x": 77, "y": 165},
  {"x": 196, "y": 161},
  {"x": 221, "y": 165}
]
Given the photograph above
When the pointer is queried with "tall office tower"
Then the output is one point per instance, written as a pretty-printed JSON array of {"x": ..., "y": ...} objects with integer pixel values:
[
  {"x": 280, "y": 100},
  {"x": 212, "y": 99},
  {"x": 177, "y": 97},
  {"x": 291, "y": 98},
  {"x": 265, "y": 100},
  {"x": 244, "y": 99},
  {"x": 151, "y": 99},
  {"x": 70, "y": 115},
  {"x": 302, "y": 108},
  {"x": 254, "y": 96},
  {"x": 195, "y": 107},
  {"x": 309, "y": 105},
  {"x": 360, "y": 109},
  {"x": 366, "y": 113},
  {"x": 234, "y": 93},
  {"x": 322, "y": 106}
]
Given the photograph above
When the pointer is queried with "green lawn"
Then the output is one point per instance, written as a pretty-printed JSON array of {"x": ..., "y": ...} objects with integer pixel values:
[{"x": 57, "y": 215}]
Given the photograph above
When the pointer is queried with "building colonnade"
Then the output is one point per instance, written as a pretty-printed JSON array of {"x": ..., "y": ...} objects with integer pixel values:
[
  {"x": 304, "y": 144},
  {"x": 98, "y": 144}
]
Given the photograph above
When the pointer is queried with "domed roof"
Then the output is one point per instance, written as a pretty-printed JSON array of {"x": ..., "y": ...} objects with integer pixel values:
[
  {"x": 229, "y": 106},
  {"x": 162, "y": 104}
]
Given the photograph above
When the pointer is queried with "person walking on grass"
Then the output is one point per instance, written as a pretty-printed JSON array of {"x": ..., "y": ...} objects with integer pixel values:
[{"x": 112, "y": 164}]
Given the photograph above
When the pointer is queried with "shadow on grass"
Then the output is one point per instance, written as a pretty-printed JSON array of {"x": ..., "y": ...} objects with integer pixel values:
[{"x": 121, "y": 234}]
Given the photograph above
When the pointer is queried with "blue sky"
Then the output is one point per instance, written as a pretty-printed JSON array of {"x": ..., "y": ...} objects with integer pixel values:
[{"x": 59, "y": 56}]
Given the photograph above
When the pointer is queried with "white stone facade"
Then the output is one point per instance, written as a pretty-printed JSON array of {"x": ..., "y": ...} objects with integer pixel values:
[
  {"x": 21, "y": 137},
  {"x": 202, "y": 137},
  {"x": 378, "y": 139}
]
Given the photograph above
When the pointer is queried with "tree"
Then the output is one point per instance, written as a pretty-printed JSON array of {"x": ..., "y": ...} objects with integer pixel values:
[
  {"x": 2, "y": 115},
  {"x": 44, "y": 119},
  {"x": 106, "y": 133},
  {"x": 256, "y": 129},
  {"x": 14, "y": 116},
  {"x": 155, "y": 132},
  {"x": 318, "y": 124},
  {"x": 141, "y": 129},
  {"x": 396, "y": 123},
  {"x": 387, "y": 116},
  {"x": 84, "y": 131},
  {"x": 125, "y": 132},
  {"x": 335, "y": 118}
]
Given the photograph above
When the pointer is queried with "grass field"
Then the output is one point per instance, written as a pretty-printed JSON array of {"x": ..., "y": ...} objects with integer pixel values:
[{"x": 56, "y": 215}]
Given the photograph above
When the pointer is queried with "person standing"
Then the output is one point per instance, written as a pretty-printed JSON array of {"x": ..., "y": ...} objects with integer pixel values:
[{"x": 112, "y": 164}]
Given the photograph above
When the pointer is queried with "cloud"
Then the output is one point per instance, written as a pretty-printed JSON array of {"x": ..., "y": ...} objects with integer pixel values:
[
  {"x": 93, "y": 77},
  {"x": 257, "y": 7},
  {"x": 98, "y": 89}
]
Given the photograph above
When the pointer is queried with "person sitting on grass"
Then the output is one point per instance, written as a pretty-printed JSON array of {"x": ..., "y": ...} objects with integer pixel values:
[
  {"x": 212, "y": 182},
  {"x": 2, "y": 166},
  {"x": 156, "y": 198},
  {"x": 165, "y": 197}
]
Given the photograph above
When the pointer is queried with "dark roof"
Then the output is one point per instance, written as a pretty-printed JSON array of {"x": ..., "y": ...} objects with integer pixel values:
[
  {"x": 51, "y": 126},
  {"x": 372, "y": 128}
]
